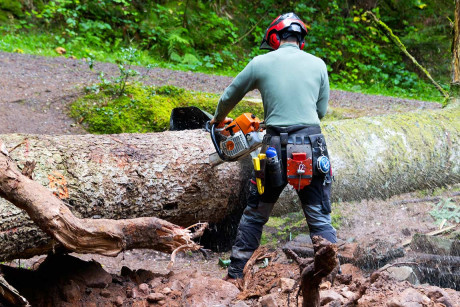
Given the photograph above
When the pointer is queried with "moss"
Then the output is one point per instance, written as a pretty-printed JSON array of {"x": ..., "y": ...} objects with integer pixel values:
[
  {"x": 394, "y": 145},
  {"x": 279, "y": 230},
  {"x": 276, "y": 222},
  {"x": 342, "y": 113},
  {"x": 143, "y": 108},
  {"x": 336, "y": 216}
]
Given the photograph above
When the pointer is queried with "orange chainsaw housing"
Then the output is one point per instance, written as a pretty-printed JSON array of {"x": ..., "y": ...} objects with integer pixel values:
[
  {"x": 299, "y": 161},
  {"x": 246, "y": 122}
]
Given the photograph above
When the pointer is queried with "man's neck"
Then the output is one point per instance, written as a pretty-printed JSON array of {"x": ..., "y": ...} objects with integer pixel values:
[{"x": 288, "y": 42}]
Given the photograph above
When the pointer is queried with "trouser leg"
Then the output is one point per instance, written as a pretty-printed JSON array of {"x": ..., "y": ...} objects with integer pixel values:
[
  {"x": 255, "y": 215},
  {"x": 316, "y": 205}
]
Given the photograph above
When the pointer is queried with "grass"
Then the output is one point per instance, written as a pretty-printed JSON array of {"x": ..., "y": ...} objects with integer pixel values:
[
  {"x": 45, "y": 44},
  {"x": 421, "y": 91},
  {"x": 279, "y": 230}
]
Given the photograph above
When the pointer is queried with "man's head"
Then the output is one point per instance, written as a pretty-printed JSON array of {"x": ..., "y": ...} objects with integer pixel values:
[{"x": 287, "y": 28}]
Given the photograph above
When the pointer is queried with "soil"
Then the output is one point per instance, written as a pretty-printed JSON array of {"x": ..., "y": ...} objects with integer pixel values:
[
  {"x": 34, "y": 96},
  {"x": 35, "y": 92}
]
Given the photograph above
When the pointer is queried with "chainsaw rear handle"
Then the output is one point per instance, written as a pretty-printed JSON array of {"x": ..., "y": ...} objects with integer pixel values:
[{"x": 212, "y": 130}]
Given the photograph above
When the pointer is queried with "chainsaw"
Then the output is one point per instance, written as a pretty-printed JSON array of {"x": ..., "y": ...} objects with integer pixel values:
[{"x": 237, "y": 139}]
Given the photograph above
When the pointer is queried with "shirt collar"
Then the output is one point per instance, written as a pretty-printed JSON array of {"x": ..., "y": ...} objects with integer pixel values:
[{"x": 289, "y": 45}]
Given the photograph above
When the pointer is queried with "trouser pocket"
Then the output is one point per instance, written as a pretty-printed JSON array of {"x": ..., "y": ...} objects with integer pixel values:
[{"x": 326, "y": 194}]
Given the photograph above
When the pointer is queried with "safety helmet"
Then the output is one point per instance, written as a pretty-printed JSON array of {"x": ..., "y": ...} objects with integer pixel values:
[{"x": 286, "y": 24}]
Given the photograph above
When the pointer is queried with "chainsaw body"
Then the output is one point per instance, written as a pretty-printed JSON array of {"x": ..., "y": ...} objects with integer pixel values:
[{"x": 237, "y": 139}]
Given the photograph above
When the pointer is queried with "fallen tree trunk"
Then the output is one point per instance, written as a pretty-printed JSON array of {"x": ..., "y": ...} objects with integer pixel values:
[
  {"x": 88, "y": 236},
  {"x": 167, "y": 175}
]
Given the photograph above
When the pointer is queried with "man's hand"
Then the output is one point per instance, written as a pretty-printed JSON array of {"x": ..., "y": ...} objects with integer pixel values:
[{"x": 222, "y": 123}]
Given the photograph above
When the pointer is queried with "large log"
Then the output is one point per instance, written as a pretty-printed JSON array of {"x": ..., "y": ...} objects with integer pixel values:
[
  {"x": 167, "y": 175},
  {"x": 88, "y": 236}
]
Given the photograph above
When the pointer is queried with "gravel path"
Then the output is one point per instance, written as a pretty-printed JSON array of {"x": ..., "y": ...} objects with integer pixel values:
[{"x": 35, "y": 92}]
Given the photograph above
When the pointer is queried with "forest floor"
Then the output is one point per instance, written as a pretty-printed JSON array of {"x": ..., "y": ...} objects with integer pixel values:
[{"x": 34, "y": 96}]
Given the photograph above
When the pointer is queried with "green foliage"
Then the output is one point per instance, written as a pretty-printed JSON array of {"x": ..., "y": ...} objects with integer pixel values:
[
  {"x": 199, "y": 35},
  {"x": 10, "y": 9},
  {"x": 141, "y": 108},
  {"x": 446, "y": 209}
]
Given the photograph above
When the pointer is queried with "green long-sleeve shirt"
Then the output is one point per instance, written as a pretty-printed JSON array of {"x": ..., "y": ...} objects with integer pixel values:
[{"x": 294, "y": 87}]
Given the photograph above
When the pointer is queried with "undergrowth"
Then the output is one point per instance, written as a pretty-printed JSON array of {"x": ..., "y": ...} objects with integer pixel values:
[
  {"x": 38, "y": 43},
  {"x": 142, "y": 108}
]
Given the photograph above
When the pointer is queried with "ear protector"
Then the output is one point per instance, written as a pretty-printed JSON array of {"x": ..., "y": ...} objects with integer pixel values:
[{"x": 274, "y": 41}]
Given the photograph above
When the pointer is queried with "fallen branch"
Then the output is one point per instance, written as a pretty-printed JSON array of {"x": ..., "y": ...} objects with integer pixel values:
[
  {"x": 250, "y": 30},
  {"x": 100, "y": 236},
  {"x": 389, "y": 33},
  {"x": 432, "y": 233}
]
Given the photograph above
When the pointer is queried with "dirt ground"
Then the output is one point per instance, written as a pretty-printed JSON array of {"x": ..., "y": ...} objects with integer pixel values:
[
  {"x": 34, "y": 96},
  {"x": 35, "y": 92}
]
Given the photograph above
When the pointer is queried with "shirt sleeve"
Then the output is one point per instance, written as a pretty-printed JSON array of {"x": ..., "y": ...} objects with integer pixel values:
[
  {"x": 323, "y": 97},
  {"x": 233, "y": 94}
]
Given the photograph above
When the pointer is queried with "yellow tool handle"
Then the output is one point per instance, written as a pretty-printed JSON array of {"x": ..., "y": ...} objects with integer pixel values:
[
  {"x": 256, "y": 161},
  {"x": 260, "y": 187}
]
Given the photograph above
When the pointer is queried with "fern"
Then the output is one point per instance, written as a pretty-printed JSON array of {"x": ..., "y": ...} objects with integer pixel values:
[{"x": 177, "y": 40}]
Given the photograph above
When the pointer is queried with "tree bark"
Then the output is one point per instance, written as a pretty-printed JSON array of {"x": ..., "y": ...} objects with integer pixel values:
[
  {"x": 312, "y": 271},
  {"x": 324, "y": 262},
  {"x": 167, "y": 175},
  {"x": 455, "y": 85},
  {"x": 88, "y": 236}
]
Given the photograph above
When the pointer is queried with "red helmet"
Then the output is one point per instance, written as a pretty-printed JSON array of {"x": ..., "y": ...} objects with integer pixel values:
[{"x": 286, "y": 23}]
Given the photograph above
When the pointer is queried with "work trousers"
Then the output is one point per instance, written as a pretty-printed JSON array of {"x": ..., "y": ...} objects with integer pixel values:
[{"x": 316, "y": 206}]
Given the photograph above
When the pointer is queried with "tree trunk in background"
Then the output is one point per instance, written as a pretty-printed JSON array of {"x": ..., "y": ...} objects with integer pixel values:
[
  {"x": 455, "y": 91},
  {"x": 167, "y": 174}
]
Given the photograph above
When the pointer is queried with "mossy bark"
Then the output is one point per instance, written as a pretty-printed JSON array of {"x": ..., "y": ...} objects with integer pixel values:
[
  {"x": 167, "y": 175},
  {"x": 455, "y": 85}
]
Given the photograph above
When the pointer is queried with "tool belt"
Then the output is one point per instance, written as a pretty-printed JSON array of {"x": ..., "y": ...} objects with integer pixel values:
[{"x": 301, "y": 148}]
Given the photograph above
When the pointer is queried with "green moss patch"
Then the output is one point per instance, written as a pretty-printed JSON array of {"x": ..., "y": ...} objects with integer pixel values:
[
  {"x": 143, "y": 108},
  {"x": 279, "y": 230}
]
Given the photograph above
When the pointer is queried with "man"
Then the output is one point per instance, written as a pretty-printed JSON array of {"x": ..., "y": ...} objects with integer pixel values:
[{"x": 295, "y": 91}]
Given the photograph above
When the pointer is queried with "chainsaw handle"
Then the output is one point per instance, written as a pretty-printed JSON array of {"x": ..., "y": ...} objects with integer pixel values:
[
  {"x": 208, "y": 127},
  {"x": 212, "y": 131}
]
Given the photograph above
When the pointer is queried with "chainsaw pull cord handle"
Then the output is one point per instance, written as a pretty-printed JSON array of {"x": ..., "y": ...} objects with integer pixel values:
[{"x": 212, "y": 130}]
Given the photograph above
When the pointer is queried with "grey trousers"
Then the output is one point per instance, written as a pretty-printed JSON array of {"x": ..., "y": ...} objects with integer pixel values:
[{"x": 316, "y": 206}]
